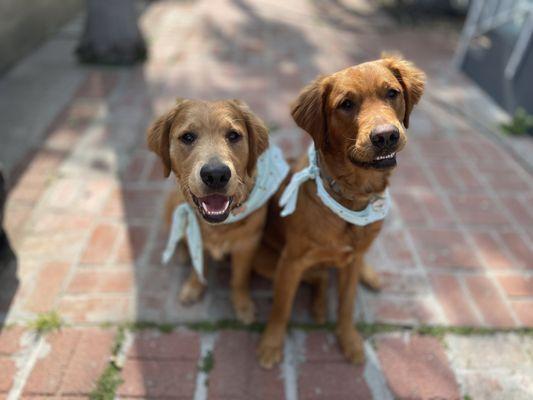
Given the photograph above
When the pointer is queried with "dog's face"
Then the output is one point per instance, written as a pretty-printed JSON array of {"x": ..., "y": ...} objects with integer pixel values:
[
  {"x": 212, "y": 148},
  {"x": 361, "y": 113}
]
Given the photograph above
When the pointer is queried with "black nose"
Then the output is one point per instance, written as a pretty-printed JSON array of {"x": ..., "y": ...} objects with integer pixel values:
[
  {"x": 385, "y": 136},
  {"x": 215, "y": 175}
]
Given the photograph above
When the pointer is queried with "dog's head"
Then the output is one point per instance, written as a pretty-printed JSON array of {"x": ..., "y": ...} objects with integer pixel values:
[
  {"x": 212, "y": 148},
  {"x": 359, "y": 115}
]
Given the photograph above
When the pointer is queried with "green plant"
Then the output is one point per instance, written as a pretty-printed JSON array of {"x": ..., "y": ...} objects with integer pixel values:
[
  {"x": 46, "y": 322},
  {"x": 520, "y": 124},
  {"x": 208, "y": 362}
]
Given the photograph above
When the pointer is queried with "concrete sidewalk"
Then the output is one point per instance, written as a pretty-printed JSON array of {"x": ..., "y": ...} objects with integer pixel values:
[{"x": 85, "y": 218}]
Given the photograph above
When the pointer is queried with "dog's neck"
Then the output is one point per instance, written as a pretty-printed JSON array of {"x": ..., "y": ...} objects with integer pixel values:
[{"x": 353, "y": 188}]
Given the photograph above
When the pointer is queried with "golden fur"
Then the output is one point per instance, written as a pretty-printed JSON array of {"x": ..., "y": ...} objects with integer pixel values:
[
  {"x": 381, "y": 92},
  {"x": 211, "y": 122}
]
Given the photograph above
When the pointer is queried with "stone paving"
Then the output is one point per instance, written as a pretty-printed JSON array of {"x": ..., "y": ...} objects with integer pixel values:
[{"x": 84, "y": 216}]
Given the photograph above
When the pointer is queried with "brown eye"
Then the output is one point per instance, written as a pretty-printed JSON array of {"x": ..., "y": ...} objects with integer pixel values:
[
  {"x": 346, "y": 105},
  {"x": 188, "y": 138},
  {"x": 233, "y": 136},
  {"x": 392, "y": 93}
]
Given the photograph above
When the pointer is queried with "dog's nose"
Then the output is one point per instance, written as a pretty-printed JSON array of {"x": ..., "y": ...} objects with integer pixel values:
[
  {"x": 215, "y": 176},
  {"x": 385, "y": 136}
]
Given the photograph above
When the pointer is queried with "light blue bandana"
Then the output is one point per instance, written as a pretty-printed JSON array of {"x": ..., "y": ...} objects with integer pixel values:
[
  {"x": 376, "y": 210},
  {"x": 271, "y": 170}
]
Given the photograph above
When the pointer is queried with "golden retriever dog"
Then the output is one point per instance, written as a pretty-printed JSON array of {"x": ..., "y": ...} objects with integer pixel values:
[
  {"x": 212, "y": 148},
  {"x": 357, "y": 119}
]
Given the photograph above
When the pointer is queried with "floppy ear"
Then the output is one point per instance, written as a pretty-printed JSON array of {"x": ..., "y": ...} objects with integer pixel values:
[
  {"x": 410, "y": 77},
  {"x": 309, "y": 111},
  {"x": 158, "y": 135},
  {"x": 257, "y": 134}
]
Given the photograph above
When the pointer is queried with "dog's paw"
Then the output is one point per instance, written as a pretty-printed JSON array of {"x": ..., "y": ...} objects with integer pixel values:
[
  {"x": 352, "y": 346},
  {"x": 244, "y": 309},
  {"x": 269, "y": 354},
  {"x": 370, "y": 278},
  {"x": 190, "y": 293}
]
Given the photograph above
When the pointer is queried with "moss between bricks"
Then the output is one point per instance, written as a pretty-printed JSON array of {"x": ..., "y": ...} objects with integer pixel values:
[
  {"x": 46, "y": 323},
  {"x": 207, "y": 363},
  {"x": 110, "y": 380}
]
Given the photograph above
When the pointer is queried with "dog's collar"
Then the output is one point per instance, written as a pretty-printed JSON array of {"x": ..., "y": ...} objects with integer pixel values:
[
  {"x": 271, "y": 171},
  {"x": 376, "y": 210}
]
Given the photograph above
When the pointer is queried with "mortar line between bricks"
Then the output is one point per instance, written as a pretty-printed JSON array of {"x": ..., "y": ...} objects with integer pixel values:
[
  {"x": 460, "y": 227},
  {"x": 23, "y": 373},
  {"x": 207, "y": 345},
  {"x": 374, "y": 376},
  {"x": 293, "y": 345}
]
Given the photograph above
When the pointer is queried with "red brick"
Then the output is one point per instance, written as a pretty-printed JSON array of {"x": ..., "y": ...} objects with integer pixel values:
[
  {"x": 10, "y": 340},
  {"x": 406, "y": 310},
  {"x": 524, "y": 311},
  {"x": 492, "y": 251},
  {"x": 410, "y": 210},
  {"x": 519, "y": 209},
  {"x": 520, "y": 247},
  {"x": 158, "y": 379},
  {"x": 178, "y": 345},
  {"x": 453, "y": 300},
  {"x": 157, "y": 171},
  {"x": 132, "y": 244},
  {"x": 135, "y": 169},
  {"x": 50, "y": 222},
  {"x": 100, "y": 244},
  {"x": 99, "y": 84},
  {"x": 489, "y": 302},
  {"x": 99, "y": 280},
  {"x": 416, "y": 367},
  {"x": 102, "y": 309},
  {"x": 322, "y": 347},
  {"x": 8, "y": 368},
  {"x": 506, "y": 181},
  {"x": 436, "y": 208},
  {"x": 136, "y": 203},
  {"x": 48, "y": 286},
  {"x": 236, "y": 373},
  {"x": 46, "y": 376},
  {"x": 404, "y": 283},
  {"x": 444, "y": 248},
  {"x": 332, "y": 380},
  {"x": 517, "y": 285},
  {"x": 408, "y": 177},
  {"x": 398, "y": 251},
  {"x": 90, "y": 358},
  {"x": 477, "y": 209}
]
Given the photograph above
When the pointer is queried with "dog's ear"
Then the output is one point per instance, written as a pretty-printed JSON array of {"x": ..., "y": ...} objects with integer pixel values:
[
  {"x": 158, "y": 135},
  {"x": 257, "y": 134},
  {"x": 410, "y": 77},
  {"x": 310, "y": 113}
]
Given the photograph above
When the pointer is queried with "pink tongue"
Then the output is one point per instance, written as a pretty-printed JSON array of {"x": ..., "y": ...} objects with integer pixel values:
[{"x": 215, "y": 203}]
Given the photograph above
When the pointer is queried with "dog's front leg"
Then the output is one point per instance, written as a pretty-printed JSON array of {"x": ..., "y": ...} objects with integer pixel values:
[
  {"x": 349, "y": 339},
  {"x": 289, "y": 272},
  {"x": 241, "y": 265}
]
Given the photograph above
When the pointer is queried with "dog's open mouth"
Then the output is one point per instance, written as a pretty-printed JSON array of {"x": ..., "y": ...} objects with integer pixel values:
[
  {"x": 380, "y": 162},
  {"x": 214, "y": 208}
]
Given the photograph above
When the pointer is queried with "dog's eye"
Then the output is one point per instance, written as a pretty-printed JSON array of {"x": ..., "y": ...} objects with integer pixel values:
[
  {"x": 346, "y": 105},
  {"x": 188, "y": 138},
  {"x": 392, "y": 93},
  {"x": 233, "y": 136}
]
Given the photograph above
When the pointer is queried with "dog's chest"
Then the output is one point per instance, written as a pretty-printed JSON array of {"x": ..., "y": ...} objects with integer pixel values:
[{"x": 220, "y": 240}]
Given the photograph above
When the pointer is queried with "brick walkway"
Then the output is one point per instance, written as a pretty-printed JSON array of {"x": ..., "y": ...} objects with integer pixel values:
[{"x": 84, "y": 217}]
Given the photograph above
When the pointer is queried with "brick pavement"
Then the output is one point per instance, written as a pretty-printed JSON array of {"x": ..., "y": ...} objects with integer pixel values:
[{"x": 84, "y": 216}]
